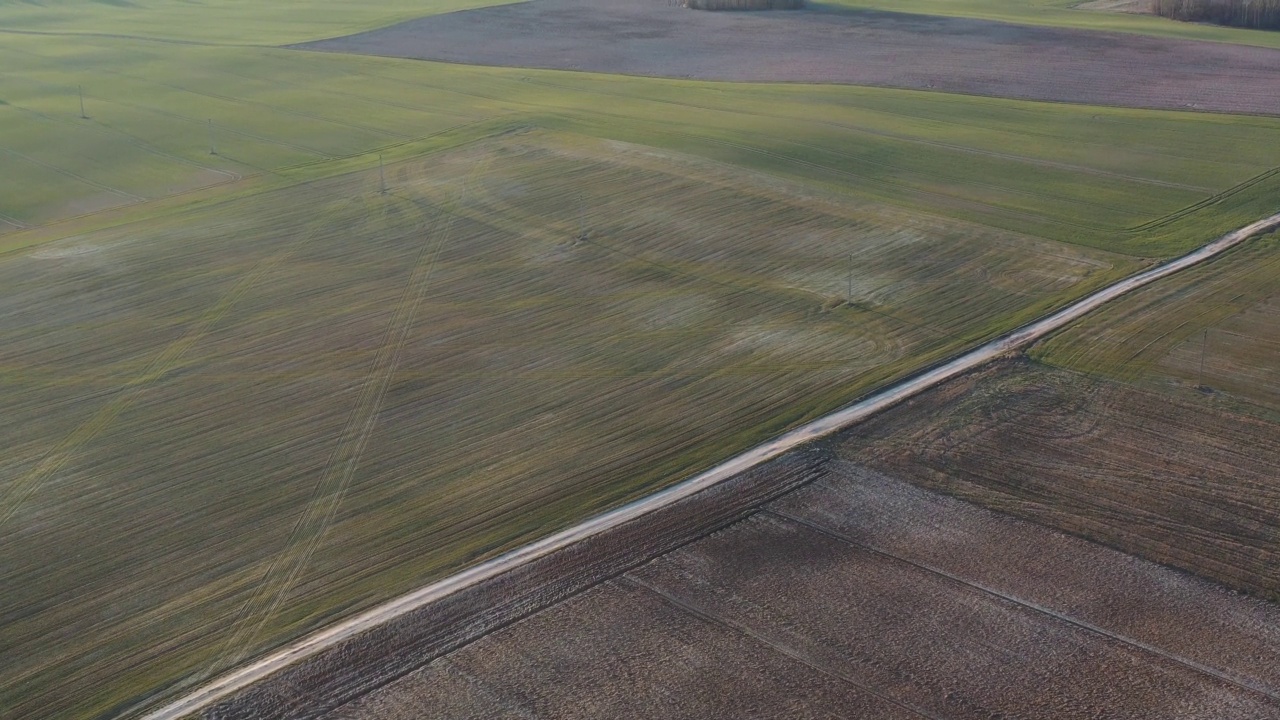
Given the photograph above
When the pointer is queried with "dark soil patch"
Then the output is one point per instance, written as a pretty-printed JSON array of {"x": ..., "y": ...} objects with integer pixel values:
[
  {"x": 862, "y": 596},
  {"x": 1187, "y": 484},
  {"x": 852, "y": 594},
  {"x": 836, "y": 45}
]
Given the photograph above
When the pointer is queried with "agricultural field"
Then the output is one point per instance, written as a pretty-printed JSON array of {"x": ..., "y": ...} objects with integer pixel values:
[
  {"x": 309, "y": 399},
  {"x": 1179, "y": 482},
  {"x": 286, "y": 333},
  {"x": 1209, "y": 337},
  {"x": 1152, "y": 426},
  {"x": 861, "y": 595},
  {"x": 228, "y": 22},
  {"x": 1133, "y": 181},
  {"x": 830, "y": 44}
]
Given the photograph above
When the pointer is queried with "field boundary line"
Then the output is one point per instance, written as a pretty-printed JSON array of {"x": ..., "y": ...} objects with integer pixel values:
[
  {"x": 281, "y": 172},
  {"x": 898, "y": 185},
  {"x": 1193, "y": 208},
  {"x": 133, "y": 140},
  {"x": 1035, "y": 607},
  {"x": 504, "y": 217},
  {"x": 74, "y": 176},
  {"x": 869, "y": 405}
]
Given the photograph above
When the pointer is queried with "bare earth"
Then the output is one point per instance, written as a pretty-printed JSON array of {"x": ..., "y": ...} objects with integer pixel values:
[
  {"x": 832, "y": 45},
  {"x": 859, "y": 594},
  {"x": 862, "y": 596},
  {"x": 340, "y": 664},
  {"x": 1192, "y": 484}
]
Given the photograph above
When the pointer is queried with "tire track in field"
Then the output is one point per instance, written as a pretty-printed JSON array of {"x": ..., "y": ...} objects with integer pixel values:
[
  {"x": 942, "y": 197},
  {"x": 791, "y": 653},
  {"x": 1176, "y": 215},
  {"x": 204, "y": 695},
  {"x": 1037, "y": 162},
  {"x": 263, "y": 105},
  {"x": 57, "y": 457},
  {"x": 74, "y": 176},
  {"x": 200, "y": 122},
  {"x": 129, "y": 138},
  {"x": 246, "y": 102},
  {"x": 483, "y": 688},
  {"x": 117, "y": 36},
  {"x": 506, "y": 217},
  {"x": 1112, "y": 339},
  {"x": 13, "y": 221},
  {"x": 309, "y": 530},
  {"x": 352, "y": 96},
  {"x": 1198, "y": 668}
]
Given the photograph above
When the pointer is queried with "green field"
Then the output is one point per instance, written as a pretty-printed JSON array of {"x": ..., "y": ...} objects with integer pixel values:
[
  {"x": 1208, "y": 336},
  {"x": 1131, "y": 181},
  {"x": 1152, "y": 425},
  {"x": 312, "y": 398},
  {"x": 246, "y": 393},
  {"x": 225, "y": 22}
]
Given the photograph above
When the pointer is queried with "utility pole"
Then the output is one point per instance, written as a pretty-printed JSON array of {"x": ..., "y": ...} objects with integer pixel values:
[
  {"x": 382, "y": 176},
  {"x": 80, "y": 90},
  {"x": 213, "y": 149}
]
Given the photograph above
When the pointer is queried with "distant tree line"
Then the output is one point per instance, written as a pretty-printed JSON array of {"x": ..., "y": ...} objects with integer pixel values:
[{"x": 1263, "y": 14}]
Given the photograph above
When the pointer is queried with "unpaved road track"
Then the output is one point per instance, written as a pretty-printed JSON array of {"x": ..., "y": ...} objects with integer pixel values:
[{"x": 236, "y": 680}]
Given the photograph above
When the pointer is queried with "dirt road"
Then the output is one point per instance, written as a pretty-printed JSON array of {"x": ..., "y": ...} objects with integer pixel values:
[{"x": 238, "y": 679}]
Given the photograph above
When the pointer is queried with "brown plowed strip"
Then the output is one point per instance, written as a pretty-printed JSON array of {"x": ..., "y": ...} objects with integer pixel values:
[
  {"x": 882, "y": 600},
  {"x": 1180, "y": 481},
  {"x": 832, "y": 45}
]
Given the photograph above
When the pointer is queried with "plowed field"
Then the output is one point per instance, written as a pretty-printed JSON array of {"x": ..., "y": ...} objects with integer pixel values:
[
  {"x": 834, "y": 44},
  {"x": 1185, "y": 483},
  {"x": 861, "y": 596}
]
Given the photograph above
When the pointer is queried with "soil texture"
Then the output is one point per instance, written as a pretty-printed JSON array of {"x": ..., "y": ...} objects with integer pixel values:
[{"x": 826, "y": 44}]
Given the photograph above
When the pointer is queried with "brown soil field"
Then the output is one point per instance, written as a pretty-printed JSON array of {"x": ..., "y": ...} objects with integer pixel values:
[
  {"x": 859, "y": 595},
  {"x": 837, "y": 45},
  {"x": 1192, "y": 484}
]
